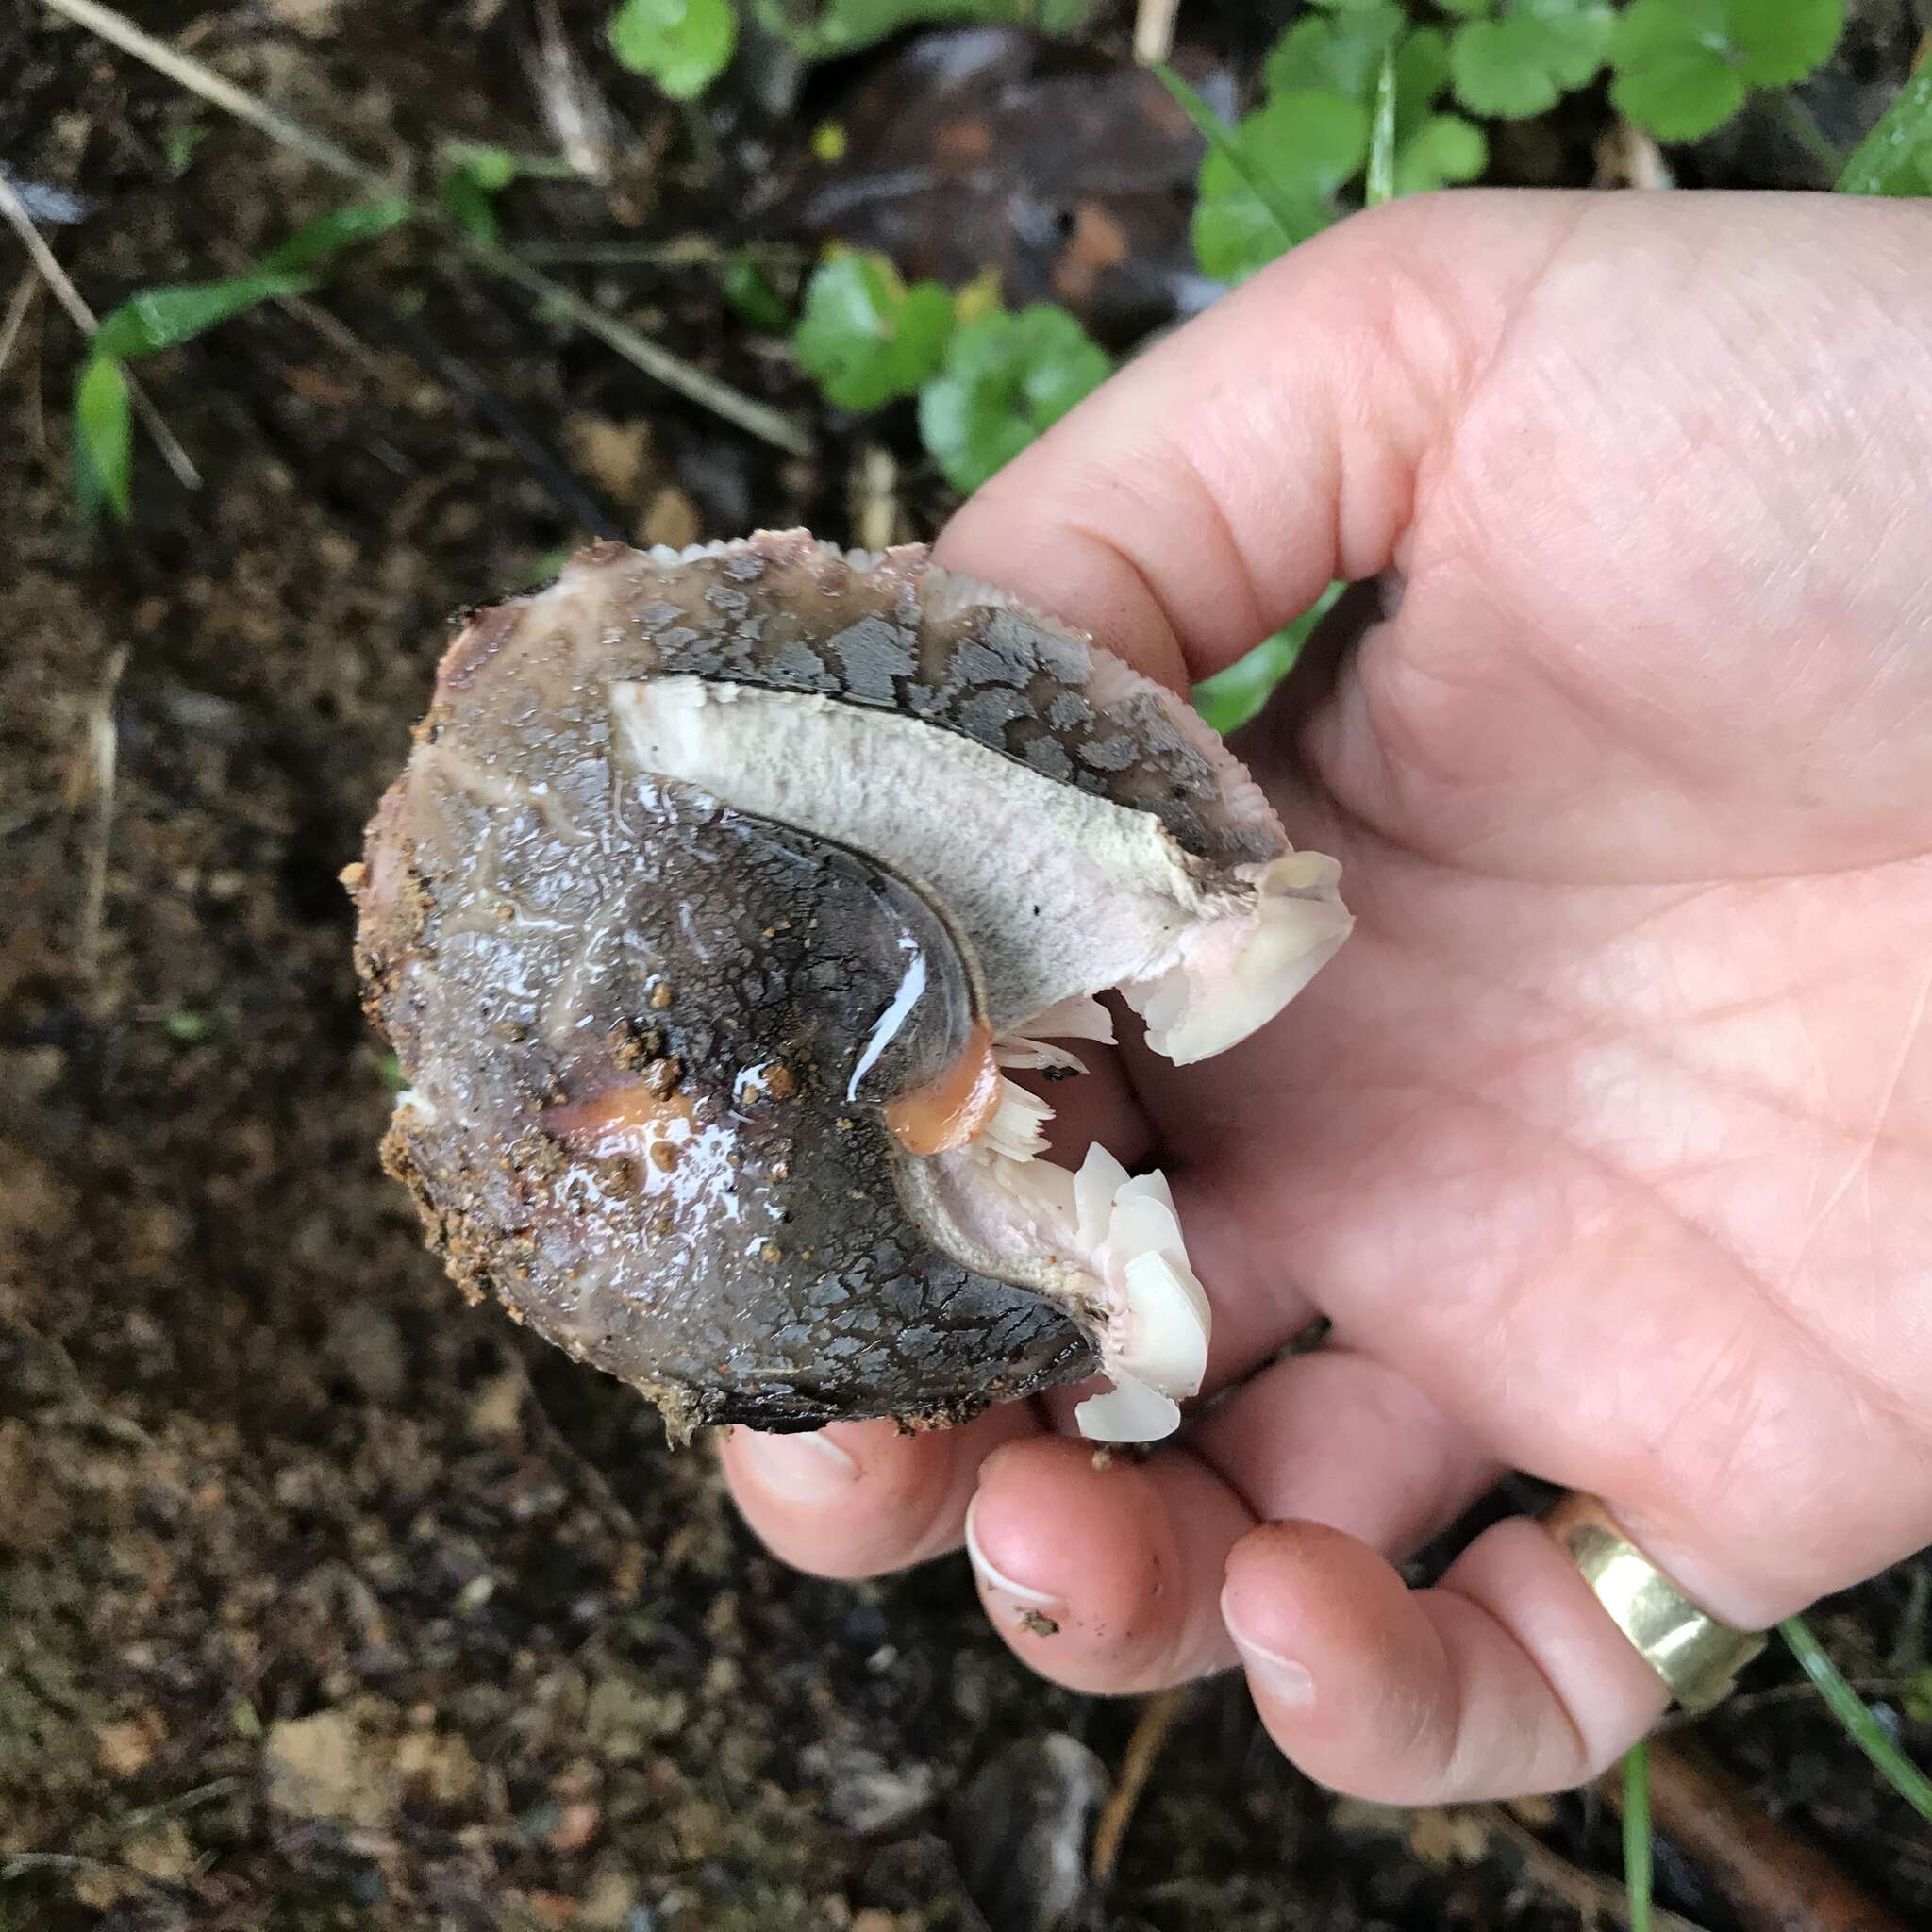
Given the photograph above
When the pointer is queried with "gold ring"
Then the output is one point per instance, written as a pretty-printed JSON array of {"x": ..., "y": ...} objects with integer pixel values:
[{"x": 1697, "y": 1657}]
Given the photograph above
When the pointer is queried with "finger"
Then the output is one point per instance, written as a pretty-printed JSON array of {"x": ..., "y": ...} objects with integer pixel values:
[
  {"x": 1336, "y": 1438},
  {"x": 1207, "y": 494},
  {"x": 1086, "y": 1563},
  {"x": 858, "y": 1499},
  {"x": 1507, "y": 1679},
  {"x": 1126, "y": 1560}
]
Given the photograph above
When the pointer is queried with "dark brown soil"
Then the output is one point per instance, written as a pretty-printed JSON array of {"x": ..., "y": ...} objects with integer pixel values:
[{"x": 326, "y": 1601}]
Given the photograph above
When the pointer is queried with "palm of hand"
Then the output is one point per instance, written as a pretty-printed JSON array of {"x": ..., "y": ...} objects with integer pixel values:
[{"x": 1607, "y": 1126}]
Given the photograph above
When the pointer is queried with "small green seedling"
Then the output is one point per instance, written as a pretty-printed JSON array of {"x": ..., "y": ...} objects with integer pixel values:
[
  {"x": 750, "y": 295},
  {"x": 864, "y": 336},
  {"x": 1896, "y": 156},
  {"x": 473, "y": 172},
  {"x": 180, "y": 141},
  {"x": 1684, "y": 67},
  {"x": 1513, "y": 58},
  {"x": 683, "y": 45},
  {"x": 162, "y": 318},
  {"x": 1007, "y": 378}
]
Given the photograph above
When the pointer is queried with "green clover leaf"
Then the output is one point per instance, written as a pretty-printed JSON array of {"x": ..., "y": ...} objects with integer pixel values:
[
  {"x": 1007, "y": 379},
  {"x": 1303, "y": 145},
  {"x": 1520, "y": 61},
  {"x": 1444, "y": 148},
  {"x": 1683, "y": 67},
  {"x": 681, "y": 44},
  {"x": 864, "y": 336}
]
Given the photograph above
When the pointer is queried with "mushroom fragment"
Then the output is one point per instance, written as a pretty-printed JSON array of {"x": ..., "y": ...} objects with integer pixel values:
[{"x": 723, "y": 894}]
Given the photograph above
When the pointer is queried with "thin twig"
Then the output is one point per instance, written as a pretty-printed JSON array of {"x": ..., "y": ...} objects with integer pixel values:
[
  {"x": 71, "y": 299},
  {"x": 1588, "y": 1893},
  {"x": 199, "y": 78},
  {"x": 17, "y": 306},
  {"x": 756, "y": 419},
  {"x": 102, "y": 757},
  {"x": 1154, "y": 30},
  {"x": 1151, "y": 1730}
]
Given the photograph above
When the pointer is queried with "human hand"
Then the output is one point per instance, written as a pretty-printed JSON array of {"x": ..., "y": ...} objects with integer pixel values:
[{"x": 1605, "y": 1142}]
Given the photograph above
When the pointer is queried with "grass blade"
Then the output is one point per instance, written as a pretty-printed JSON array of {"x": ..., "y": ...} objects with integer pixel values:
[
  {"x": 316, "y": 241},
  {"x": 1219, "y": 135},
  {"x": 1857, "y": 1717},
  {"x": 1381, "y": 182},
  {"x": 1896, "y": 156},
  {"x": 161, "y": 318},
  {"x": 1636, "y": 1859}
]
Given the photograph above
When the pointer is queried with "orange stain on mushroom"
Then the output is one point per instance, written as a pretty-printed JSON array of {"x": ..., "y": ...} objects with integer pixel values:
[
  {"x": 950, "y": 1111},
  {"x": 627, "y": 1120}
]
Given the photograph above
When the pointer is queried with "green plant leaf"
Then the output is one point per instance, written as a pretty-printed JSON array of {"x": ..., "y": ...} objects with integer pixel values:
[
  {"x": 1779, "y": 42},
  {"x": 1381, "y": 178},
  {"x": 1673, "y": 75},
  {"x": 681, "y": 44},
  {"x": 1227, "y": 145},
  {"x": 1302, "y": 146},
  {"x": 1230, "y": 698},
  {"x": 864, "y": 336},
  {"x": 1007, "y": 379},
  {"x": 470, "y": 205},
  {"x": 1336, "y": 53},
  {"x": 491, "y": 166},
  {"x": 1421, "y": 72},
  {"x": 1896, "y": 156},
  {"x": 750, "y": 297},
  {"x": 823, "y": 29},
  {"x": 1684, "y": 67},
  {"x": 179, "y": 140},
  {"x": 1444, "y": 148},
  {"x": 160, "y": 318},
  {"x": 1342, "y": 54},
  {"x": 1524, "y": 61},
  {"x": 102, "y": 437},
  {"x": 315, "y": 244}
]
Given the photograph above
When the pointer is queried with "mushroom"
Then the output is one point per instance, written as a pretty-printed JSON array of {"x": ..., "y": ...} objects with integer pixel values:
[{"x": 723, "y": 894}]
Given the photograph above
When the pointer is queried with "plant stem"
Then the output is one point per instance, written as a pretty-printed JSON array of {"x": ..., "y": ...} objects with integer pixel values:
[
  {"x": 1801, "y": 125},
  {"x": 1857, "y": 1717},
  {"x": 1637, "y": 1836}
]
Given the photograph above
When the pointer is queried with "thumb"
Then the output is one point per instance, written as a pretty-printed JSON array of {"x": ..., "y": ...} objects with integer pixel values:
[{"x": 1206, "y": 494}]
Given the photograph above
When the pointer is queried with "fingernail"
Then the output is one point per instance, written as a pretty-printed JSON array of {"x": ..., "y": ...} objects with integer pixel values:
[
  {"x": 802, "y": 1469},
  {"x": 1276, "y": 1676},
  {"x": 1021, "y": 1594}
]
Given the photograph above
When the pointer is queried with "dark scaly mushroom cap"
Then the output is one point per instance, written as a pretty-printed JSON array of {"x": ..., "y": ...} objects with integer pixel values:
[{"x": 701, "y": 922}]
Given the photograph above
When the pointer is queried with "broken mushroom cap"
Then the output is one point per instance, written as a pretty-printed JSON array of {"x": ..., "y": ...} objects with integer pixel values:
[{"x": 724, "y": 892}]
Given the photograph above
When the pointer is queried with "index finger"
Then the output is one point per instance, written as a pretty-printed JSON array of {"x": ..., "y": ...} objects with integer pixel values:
[{"x": 1206, "y": 494}]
